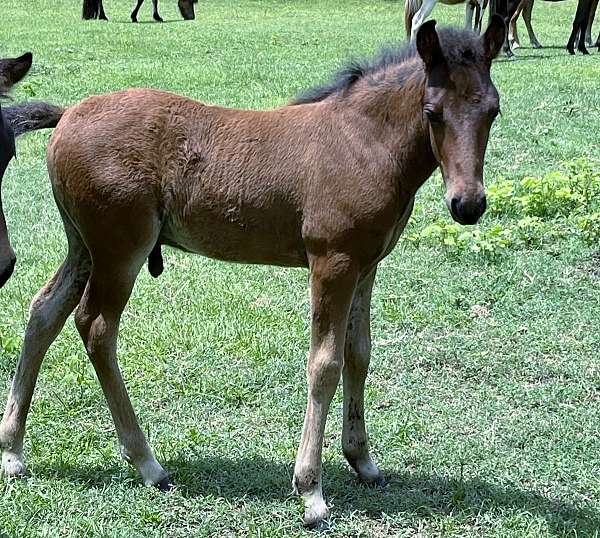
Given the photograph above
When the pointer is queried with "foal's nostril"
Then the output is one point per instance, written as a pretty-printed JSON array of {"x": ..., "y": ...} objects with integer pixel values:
[{"x": 454, "y": 205}]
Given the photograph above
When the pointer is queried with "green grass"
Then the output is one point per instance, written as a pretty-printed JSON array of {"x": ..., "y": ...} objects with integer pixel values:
[{"x": 483, "y": 401}]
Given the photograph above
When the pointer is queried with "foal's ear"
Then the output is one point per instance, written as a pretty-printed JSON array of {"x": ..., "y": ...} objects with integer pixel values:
[
  {"x": 428, "y": 45},
  {"x": 14, "y": 69},
  {"x": 494, "y": 36}
]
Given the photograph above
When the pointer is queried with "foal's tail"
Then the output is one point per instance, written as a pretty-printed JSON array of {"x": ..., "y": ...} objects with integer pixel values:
[
  {"x": 91, "y": 9},
  {"x": 32, "y": 116},
  {"x": 410, "y": 8}
]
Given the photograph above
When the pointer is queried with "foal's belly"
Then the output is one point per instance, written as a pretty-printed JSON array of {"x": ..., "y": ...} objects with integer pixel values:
[{"x": 235, "y": 231}]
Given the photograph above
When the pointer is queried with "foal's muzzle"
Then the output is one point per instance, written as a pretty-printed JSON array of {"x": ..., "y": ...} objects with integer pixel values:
[
  {"x": 6, "y": 270},
  {"x": 467, "y": 210}
]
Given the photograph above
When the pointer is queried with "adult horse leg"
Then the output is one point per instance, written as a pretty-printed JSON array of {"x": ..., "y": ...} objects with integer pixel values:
[
  {"x": 155, "y": 14},
  {"x": 506, "y": 9},
  {"x": 136, "y": 10},
  {"x": 357, "y": 355},
  {"x": 333, "y": 280},
  {"x": 186, "y": 8},
  {"x": 527, "y": 11},
  {"x": 579, "y": 26},
  {"x": 469, "y": 10},
  {"x": 513, "y": 35},
  {"x": 101, "y": 14},
  {"x": 49, "y": 310},
  {"x": 481, "y": 5},
  {"x": 421, "y": 15},
  {"x": 588, "y": 31},
  {"x": 97, "y": 320}
]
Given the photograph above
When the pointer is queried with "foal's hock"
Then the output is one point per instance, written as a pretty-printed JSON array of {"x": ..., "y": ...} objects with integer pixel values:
[{"x": 326, "y": 182}]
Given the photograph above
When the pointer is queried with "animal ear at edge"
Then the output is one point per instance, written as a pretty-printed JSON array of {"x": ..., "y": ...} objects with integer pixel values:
[{"x": 12, "y": 70}]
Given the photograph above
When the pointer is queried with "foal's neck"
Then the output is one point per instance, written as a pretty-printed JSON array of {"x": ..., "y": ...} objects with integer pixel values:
[{"x": 393, "y": 106}]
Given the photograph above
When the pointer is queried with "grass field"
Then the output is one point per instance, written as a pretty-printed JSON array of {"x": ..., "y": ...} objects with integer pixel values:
[{"x": 484, "y": 396}]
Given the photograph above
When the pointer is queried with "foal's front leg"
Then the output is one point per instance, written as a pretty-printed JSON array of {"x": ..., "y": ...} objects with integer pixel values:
[
  {"x": 357, "y": 355},
  {"x": 332, "y": 282}
]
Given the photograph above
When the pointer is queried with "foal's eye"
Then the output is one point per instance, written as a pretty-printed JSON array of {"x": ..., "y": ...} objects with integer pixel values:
[{"x": 433, "y": 116}]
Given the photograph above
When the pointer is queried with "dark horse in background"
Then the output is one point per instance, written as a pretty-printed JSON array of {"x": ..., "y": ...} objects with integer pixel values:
[
  {"x": 93, "y": 9},
  {"x": 584, "y": 17},
  {"x": 526, "y": 7},
  {"x": 12, "y": 70},
  {"x": 586, "y": 9}
]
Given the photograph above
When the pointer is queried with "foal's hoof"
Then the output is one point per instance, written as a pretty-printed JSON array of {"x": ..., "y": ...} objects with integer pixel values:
[
  {"x": 369, "y": 473},
  {"x": 157, "y": 17},
  {"x": 13, "y": 466},
  {"x": 379, "y": 482},
  {"x": 165, "y": 484},
  {"x": 133, "y": 18},
  {"x": 536, "y": 45},
  {"x": 316, "y": 516}
]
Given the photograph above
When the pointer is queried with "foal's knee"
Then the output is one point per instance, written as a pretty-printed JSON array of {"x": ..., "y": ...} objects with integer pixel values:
[{"x": 324, "y": 370}]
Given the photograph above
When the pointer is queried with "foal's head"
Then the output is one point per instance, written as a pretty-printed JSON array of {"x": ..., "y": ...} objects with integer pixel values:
[{"x": 460, "y": 103}]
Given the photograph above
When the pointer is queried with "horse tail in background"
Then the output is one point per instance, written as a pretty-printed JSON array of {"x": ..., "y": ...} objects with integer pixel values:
[
  {"x": 410, "y": 8},
  {"x": 32, "y": 116},
  {"x": 91, "y": 9}
]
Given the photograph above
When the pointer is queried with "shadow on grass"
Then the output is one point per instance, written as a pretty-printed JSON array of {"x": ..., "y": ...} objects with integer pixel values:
[
  {"x": 415, "y": 496},
  {"x": 151, "y": 21}
]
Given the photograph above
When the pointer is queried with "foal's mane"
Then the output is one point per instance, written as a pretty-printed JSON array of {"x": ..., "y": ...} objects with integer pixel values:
[{"x": 460, "y": 47}]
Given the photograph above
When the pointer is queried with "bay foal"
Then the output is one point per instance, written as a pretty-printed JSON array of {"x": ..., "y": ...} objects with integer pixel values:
[{"x": 327, "y": 182}]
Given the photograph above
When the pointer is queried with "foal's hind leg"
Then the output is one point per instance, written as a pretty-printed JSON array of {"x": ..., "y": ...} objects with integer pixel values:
[
  {"x": 332, "y": 282},
  {"x": 97, "y": 320},
  {"x": 49, "y": 310},
  {"x": 357, "y": 355},
  {"x": 136, "y": 10}
]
